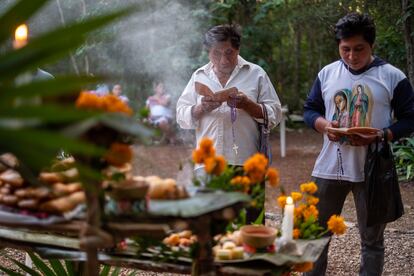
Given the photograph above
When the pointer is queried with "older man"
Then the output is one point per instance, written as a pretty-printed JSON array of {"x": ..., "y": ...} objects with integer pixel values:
[{"x": 236, "y": 139}]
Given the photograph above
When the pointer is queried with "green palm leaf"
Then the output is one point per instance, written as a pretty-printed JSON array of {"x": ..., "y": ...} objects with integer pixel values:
[
  {"x": 58, "y": 267},
  {"x": 41, "y": 265},
  {"x": 58, "y": 86}
]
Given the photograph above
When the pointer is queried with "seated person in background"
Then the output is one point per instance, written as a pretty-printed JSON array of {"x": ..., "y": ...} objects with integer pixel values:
[
  {"x": 160, "y": 114},
  {"x": 117, "y": 91}
]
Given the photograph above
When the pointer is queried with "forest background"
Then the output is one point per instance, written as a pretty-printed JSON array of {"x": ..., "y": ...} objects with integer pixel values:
[{"x": 291, "y": 39}]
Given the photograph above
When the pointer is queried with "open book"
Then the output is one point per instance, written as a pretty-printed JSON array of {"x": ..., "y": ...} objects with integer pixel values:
[
  {"x": 361, "y": 131},
  {"x": 219, "y": 96}
]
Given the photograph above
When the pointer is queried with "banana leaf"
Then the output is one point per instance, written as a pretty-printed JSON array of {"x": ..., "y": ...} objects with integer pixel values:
[
  {"x": 307, "y": 251},
  {"x": 196, "y": 205}
]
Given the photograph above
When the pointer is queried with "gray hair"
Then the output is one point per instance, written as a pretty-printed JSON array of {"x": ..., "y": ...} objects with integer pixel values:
[{"x": 222, "y": 33}]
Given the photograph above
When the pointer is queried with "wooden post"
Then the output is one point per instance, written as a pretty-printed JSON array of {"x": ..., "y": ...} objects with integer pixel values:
[
  {"x": 203, "y": 264},
  {"x": 93, "y": 220}
]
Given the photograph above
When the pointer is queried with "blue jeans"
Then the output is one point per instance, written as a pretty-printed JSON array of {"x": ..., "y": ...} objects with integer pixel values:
[{"x": 332, "y": 195}]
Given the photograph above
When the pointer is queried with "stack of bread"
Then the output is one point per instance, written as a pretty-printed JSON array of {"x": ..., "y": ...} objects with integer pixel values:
[
  {"x": 183, "y": 240},
  {"x": 160, "y": 188},
  {"x": 60, "y": 193},
  {"x": 229, "y": 246}
]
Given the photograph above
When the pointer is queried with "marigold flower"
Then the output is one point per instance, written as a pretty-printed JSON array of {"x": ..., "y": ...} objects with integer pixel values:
[
  {"x": 215, "y": 165},
  {"x": 118, "y": 154},
  {"x": 336, "y": 225},
  {"x": 221, "y": 164},
  {"x": 312, "y": 200},
  {"x": 309, "y": 187},
  {"x": 209, "y": 165},
  {"x": 296, "y": 233},
  {"x": 303, "y": 267},
  {"x": 206, "y": 147},
  {"x": 108, "y": 103},
  {"x": 309, "y": 211},
  {"x": 296, "y": 196},
  {"x": 298, "y": 212},
  {"x": 88, "y": 100},
  {"x": 255, "y": 167},
  {"x": 273, "y": 176},
  {"x": 198, "y": 156},
  {"x": 281, "y": 200},
  {"x": 240, "y": 180}
]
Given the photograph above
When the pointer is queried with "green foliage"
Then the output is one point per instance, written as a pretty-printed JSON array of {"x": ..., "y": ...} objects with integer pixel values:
[
  {"x": 55, "y": 267},
  {"x": 404, "y": 158}
]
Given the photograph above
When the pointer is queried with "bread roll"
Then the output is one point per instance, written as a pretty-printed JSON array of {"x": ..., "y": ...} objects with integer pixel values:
[
  {"x": 28, "y": 204},
  {"x": 10, "y": 200},
  {"x": 63, "y": 204},
  {"x": 60, "y": 189},
  {"x": 35, "y": 192},
  {"x": 12, "y": 177}
]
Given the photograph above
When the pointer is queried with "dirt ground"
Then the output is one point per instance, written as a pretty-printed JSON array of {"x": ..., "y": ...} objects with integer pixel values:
[{"x": 303, "y": 146}]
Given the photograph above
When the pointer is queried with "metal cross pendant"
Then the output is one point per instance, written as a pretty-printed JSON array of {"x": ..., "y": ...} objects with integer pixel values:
[{"x": 235, "y": 147}]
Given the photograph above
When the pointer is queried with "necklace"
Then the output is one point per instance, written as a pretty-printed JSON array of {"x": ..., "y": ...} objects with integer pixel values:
[
  {"x": 233, "y": 117},
  {"x": 339, "y": 166}
]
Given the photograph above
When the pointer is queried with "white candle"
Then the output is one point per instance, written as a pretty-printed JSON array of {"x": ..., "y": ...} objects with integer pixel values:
[
  {"x": 287, "y": 223},
  {"x": 20, "y": 36}
]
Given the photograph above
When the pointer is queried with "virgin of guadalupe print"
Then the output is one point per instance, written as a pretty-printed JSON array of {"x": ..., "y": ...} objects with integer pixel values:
[
  {"x": 360, "y": 107},
  {"x": 342, "y": 103}
]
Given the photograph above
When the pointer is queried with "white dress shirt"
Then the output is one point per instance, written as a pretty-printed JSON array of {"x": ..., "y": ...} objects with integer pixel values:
[{"x": 248, "y": 78}]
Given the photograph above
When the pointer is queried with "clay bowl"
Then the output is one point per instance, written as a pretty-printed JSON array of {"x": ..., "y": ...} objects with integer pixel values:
[
  {"x": 258, "y": 236},
  {"x": 129, "y": 190}
]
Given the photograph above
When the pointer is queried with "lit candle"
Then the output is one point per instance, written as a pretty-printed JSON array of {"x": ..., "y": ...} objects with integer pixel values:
[
  {"x": 20, "y": 36},
  {"x": 287, "y": 223}
]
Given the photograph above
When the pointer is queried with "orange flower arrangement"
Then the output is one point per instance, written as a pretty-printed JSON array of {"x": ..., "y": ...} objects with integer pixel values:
[
  {"x": 336, "y": 225},
  {"x": 255, "y": 167},
  {"x": 108, "y": 103},
  {"x": 248, "y": 180},
  {"x": 306, "y": 214},
  {"x": 118, "y": 154}
]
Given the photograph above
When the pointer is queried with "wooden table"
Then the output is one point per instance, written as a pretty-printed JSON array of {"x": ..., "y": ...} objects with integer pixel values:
[{"x": 204, "y": 214}]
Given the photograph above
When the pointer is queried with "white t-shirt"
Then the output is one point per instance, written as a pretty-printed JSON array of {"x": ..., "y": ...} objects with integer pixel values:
[{"x": 354, "y": 100}]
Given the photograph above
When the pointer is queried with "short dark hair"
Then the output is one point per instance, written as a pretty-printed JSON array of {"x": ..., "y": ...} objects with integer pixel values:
[
  {"x": 354, "y": 24},
  {"x": 223, "y": 33}
]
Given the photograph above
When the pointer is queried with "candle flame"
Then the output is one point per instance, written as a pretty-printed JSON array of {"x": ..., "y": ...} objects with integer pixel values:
[
  {"x": 21, "y": 32},
  {"x": 289, "y": 200}
]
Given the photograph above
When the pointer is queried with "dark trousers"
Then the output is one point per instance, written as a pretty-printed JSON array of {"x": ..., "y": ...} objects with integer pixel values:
[{"x": 332, "y": 195}]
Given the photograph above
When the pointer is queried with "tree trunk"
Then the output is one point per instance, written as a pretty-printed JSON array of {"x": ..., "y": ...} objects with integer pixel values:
[
  {"x": 409, "y": 41},
  {"x": 296, "y": 70},
  {"x": 62, "y": 19}
]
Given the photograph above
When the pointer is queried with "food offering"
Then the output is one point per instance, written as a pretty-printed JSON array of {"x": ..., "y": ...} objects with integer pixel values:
[
  {"x": 166, "y": 188},
  {"x": 176, "y": 247},
  {"x": 229, "y": 246},
  {"x": 60, "y": 193}
]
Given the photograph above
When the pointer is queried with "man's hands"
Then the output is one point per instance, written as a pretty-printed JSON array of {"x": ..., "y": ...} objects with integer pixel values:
[
  {"x": 238, "y": 100},
  {"x": 354, "y": 140},
  {"x": 334, "y": 137},
  {"x": 208, "y": 104},
  {"x": 235, "y": 99}
]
